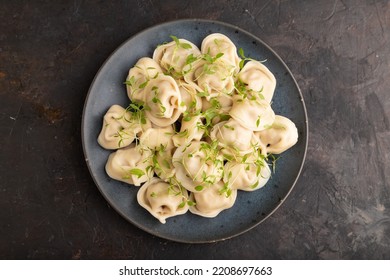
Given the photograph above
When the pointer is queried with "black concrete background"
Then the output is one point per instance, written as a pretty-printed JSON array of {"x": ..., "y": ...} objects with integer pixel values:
[{"x": 339, "y": 51}]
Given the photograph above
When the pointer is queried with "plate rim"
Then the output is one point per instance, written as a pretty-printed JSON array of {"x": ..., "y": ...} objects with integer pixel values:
[{"x": 280, "y": 60}]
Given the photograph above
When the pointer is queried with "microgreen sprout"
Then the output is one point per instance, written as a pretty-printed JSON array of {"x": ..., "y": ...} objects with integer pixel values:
[
  {"x": 153, "y": 194},
  {"x": 134, "y": 171},
  {"x": 273, "y": 160},
  {"x": 228, "y": 127},
  {"x": 183, "y": 133},
  {"x": 180, "y": 44},
  {"x": 225, "y": 190},
  {"x": 157, "y": 100},
  {"x": 130, "y": 82},
  {"x": 211, "y": 59},
  {"x": 258, "y": 120},
  {"x": 245, "y": 92},
  {"x": 137, "y": 113},
  {"x": 123, "y": 135},
  {"x": 244, "y": 58}
]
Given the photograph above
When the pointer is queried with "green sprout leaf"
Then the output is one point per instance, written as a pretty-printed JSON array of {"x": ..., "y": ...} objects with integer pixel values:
[
  {"x": 130, "y": 82},
  {"x": 185, "y": 46},
  {"x": 190, "y": 59},
  {"x": 153, "y": 194},
  {"x": 228, "y": 127},
  {"x": 241, "y": 53},
  {"x": 174, "y": 38},
  {"x": 191, "y": 203},
  {"x": 143, "y": 85},
  {"x": 137, "y": 172},
  {"x": 179, "y": 44},
  {"x": 258, "y": 121},
  {"x": 241, "y": 64},
  {"x": 181, "y": 205}
]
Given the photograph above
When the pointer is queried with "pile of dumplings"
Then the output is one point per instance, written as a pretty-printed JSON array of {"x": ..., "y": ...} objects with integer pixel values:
[{"x": 198, "y": 129}]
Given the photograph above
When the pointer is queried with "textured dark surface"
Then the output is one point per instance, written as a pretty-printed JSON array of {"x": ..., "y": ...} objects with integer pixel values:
[{"x": 339, "y": 51}]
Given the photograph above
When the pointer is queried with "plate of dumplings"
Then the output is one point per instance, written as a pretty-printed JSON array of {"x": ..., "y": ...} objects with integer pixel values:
[{"x": 194, "y": 131}]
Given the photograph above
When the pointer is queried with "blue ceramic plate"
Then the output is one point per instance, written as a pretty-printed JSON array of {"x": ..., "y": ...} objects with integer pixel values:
[{"x": 251, "y": 208}]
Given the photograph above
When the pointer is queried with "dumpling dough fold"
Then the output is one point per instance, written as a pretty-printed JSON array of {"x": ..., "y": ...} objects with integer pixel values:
[
  {"x": 234, "y": 138},
  {"x": 254, "y": 114},
  {"x": 157, "y": 138}
]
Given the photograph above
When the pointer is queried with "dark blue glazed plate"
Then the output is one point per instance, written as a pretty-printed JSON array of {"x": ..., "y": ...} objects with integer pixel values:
[{"x": 251, "y": 208}]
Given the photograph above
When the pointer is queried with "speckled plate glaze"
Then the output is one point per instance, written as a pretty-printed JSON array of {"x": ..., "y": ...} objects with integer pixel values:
[{"x": 251, "y": 208}]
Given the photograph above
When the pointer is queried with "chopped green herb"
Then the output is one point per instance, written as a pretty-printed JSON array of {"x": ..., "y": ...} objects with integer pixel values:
[
  {"x": 130, "y": 82},
  {"x": 153, "y": 194},
  {"x": 182, "y": 204},
  {"x": 191, "y": 203},
  {"x": 183, "y": 133},
  {"x": 228, "y": 127},
  {"x": 258, "y": 121},
  {"x": 137, "y": 172},
  {"x": 190, "y": 59}
]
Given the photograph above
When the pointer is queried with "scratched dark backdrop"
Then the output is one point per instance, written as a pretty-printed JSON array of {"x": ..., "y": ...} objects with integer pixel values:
[{"x": 339, "y": 51}]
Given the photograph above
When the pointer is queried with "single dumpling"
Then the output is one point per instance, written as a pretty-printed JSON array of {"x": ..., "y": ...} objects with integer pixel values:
[
  {"x": 211, "y": 77},
  {"x": 157, "y": 138},
  {"x": 174, "y": 56},
  {"x": 198, "y": 165},
  {"x": 218, "y": 43},
  {"x": 280, "y": 136},
  {"x": 163, "y": 101},
  {"x": 131, "y": 165},
  {"x": 145, "y": 70},
  {"x": 235, "y": 139},
  {"x": 212, "y": 200},
  {"x": 120, "y": 127},
  {"x": 247, "y": 175},
  {"x": 255, "y": 79},
  {"x": 162, "y": 200},
  {"x": 255, "y": 114}
]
